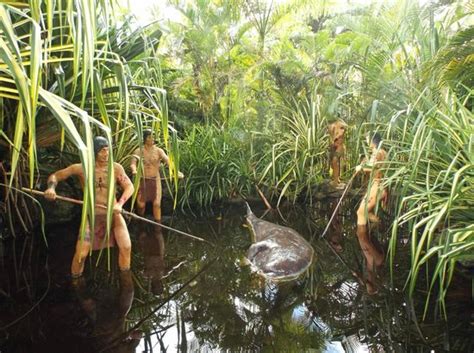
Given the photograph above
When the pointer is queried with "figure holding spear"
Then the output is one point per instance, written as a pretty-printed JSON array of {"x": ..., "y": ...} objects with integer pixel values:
[{"x": 119, "y": 232}]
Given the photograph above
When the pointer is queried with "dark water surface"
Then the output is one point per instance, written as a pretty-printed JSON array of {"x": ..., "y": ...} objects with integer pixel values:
[{"x": 189, "y": 296}]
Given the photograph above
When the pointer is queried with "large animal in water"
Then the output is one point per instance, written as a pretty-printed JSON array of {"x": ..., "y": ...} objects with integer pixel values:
[{"x": 278, "y": 253}]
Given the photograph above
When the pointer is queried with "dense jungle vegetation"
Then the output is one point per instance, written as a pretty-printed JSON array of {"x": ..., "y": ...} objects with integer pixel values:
[{"x": 240, "y": 94}]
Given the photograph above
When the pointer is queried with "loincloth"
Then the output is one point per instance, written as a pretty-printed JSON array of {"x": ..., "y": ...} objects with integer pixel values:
[
  {"x": 336, "y": 151},
  {"x": 100, "y": 240},
  {"x": 147, "y": 190}
]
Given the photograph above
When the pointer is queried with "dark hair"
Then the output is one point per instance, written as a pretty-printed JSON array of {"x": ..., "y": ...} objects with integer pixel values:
[
  {"x": 99, "y": 143},
  {"x": 146, "y": 133},
  {"x": 376, "y": 139}
]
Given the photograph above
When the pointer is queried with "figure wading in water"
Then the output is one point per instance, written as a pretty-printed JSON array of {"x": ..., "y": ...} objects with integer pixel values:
[
  {"x": 119, "y": 232},
  {"x": 375, "y": 190},
  {"x": 150, "y": 183}
]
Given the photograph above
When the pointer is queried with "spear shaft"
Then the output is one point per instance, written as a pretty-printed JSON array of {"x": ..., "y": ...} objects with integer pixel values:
[{"x": 131, "y": 214}]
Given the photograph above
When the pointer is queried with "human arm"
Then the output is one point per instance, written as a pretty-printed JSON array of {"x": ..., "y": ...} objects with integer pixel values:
[
  {"x": 164, "y": 157},
  {"x": 133, "y": 163},
  {"x": 125, "y": 183},
  {"x": 331, "y": 130},
  {"x": 359, "y": 168},
  {"x": 373, "y": 163},
  {"x": 60, "y": 175},
  {"x": 367, "y": 168}
]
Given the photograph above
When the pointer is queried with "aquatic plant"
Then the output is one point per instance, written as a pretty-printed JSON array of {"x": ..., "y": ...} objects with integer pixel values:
[
  {"x": 252, "y": 100},
  {"x": 435, "y": 198},
  {"x": 70, "y": 71},
  {"x": 218, "y": 164}
]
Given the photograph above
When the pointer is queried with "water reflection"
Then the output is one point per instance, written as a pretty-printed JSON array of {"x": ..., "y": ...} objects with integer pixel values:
[
  {"x": 334, "y": 235},
  {"x": 374, "y": 258},
  {"x": 152, "y": 246},
  {"x": 105, "y": 315},
  {"x": 196, "y": 298}
]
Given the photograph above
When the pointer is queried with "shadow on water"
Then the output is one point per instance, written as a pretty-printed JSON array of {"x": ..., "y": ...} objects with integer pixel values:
[{"x": 188, "y": 296}]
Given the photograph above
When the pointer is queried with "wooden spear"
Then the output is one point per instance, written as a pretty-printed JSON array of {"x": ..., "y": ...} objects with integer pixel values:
[{"x": 131, "y": 214}]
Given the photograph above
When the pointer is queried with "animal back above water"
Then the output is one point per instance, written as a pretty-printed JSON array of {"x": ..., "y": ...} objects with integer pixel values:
[{"x": 278, "y": 253}]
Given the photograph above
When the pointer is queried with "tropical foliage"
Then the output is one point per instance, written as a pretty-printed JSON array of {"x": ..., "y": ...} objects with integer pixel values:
[
  {"x": 281, "y": 72},
  {"x": 69, "y": 71},
  {"x": 247, "y": 89}
]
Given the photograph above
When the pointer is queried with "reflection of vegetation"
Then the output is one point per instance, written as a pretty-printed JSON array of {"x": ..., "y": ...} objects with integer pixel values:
[
  {"x": 408, "y": 75},
  {"x": 388, "y": 319},
  {"x": 294, "y": 337},
  {"x": 227, "y": 307},
  {"x": 238, "y": 314},
  {"x": 251, "y": 87}
]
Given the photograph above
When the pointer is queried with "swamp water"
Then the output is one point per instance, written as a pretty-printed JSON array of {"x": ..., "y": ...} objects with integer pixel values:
[{"x": 188, "y": 296}]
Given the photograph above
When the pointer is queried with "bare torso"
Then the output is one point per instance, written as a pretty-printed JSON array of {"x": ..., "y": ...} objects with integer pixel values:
[
  {"x": 101, "y": 188},
  {"x": 377, "y": 157},
  {"x": 152, "y": 157},
  {"x": 336, "y": 137},
  {"x": 101, "y": 185},
  {"x": 338, "y": 148}
]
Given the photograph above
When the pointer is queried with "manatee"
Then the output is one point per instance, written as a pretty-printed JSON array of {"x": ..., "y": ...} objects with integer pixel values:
[{"x": 278, "y": 253}]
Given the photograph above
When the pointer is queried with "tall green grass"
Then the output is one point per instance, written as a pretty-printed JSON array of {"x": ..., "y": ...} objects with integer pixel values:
[
  {"x": 435, "y": 198},
  {"x": 70, "y": 64},
  {"x": 218, "y": 164},
  {"x": 298, "y": 156}
]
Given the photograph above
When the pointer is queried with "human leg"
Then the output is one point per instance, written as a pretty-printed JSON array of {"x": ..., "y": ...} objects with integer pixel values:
[
  {"x": 367, "y": 205},
  {"x": 374, "y": 258},
  {"x": 376, "y": 194},
  {"x": 373, "y": 254},
  {"x": 157, "y": 202},
  {"x": 124, "y": 244},
  {"x": 362, "y": 212},
  {"x": 140, "y": 202},
  {"x": 335, "y": 165},
  {"x": 83, "y": 247}
]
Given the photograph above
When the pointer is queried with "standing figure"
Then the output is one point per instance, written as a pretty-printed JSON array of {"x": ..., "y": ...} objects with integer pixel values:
[
  {"x": 150, "y": 184},
  {"x": 337, "y": 150},
  {"x": 119, "y": 232},
  {"x": 375, "y": 190}
]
